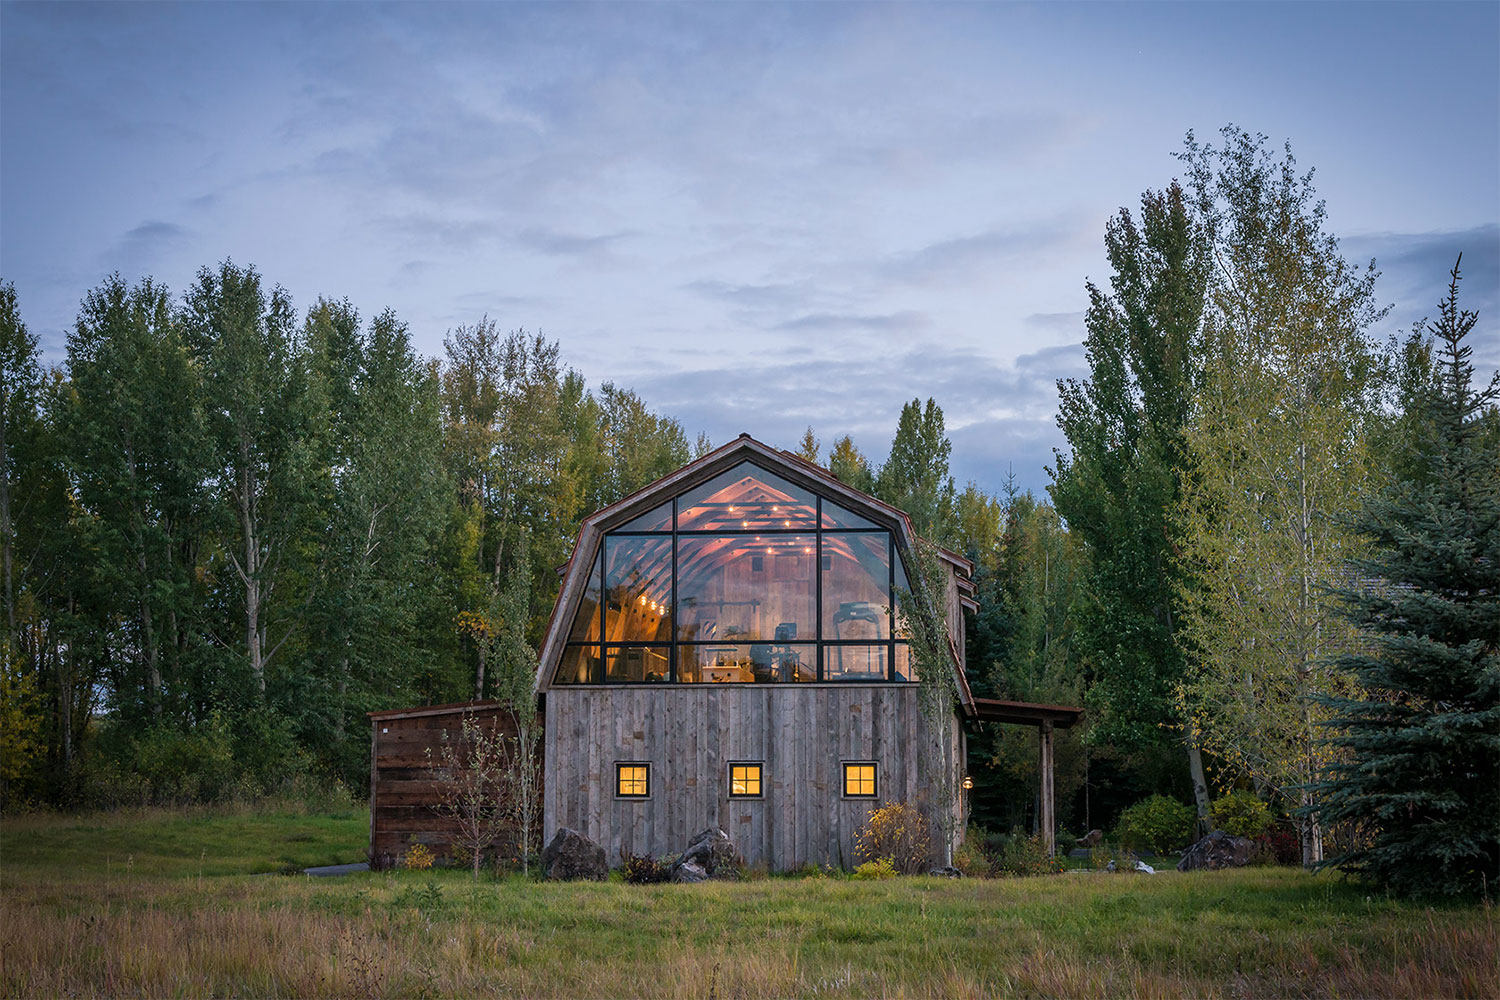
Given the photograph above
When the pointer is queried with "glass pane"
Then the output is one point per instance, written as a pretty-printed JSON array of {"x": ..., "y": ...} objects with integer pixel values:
[
  {"x": 586, "y": 621},
  {"x": 859, "y": 779},
  {"x": 856, "y": 586},
  {"x": 744, "y": 663},
  {"x": 901, "y": 584},
  {"x": 746, "y": 588},
  {"x": 579, "y": 665},
  {"x": 633, "y": 780},
  {"x": 638, "y": 664},
  {"x": 904, "y": 669},
  {"x": 835, "y": 516},
  {"x": 638, "y": 589},
  {"x": 855, "y": 663},
  {"x": 744, "y": 779},
  {"x": 746, "y": 497},
  {"x": 659, "y": 519}
]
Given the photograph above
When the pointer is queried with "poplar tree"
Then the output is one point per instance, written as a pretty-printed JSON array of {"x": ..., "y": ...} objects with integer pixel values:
[
  {"x": 1119, "y": 487},
  {"x": 915, "y": 477},
  {"x": 1418, "y": 737},
  {"x": 1279, "y": 453}
]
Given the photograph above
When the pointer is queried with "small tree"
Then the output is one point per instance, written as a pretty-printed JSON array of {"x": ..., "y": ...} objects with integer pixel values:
[
  {"x": 1420, "y": 738},
  {"x": 515, "y": 688},
  {"x": 472, "y": 782},
  {"x": 919, "y": 613}
]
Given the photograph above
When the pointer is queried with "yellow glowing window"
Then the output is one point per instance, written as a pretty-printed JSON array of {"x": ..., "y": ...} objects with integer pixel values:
[
  {"x": 744, "y": 781},
  {"x": 633, "y": 781},
  {"x": 859, "y": 781}
]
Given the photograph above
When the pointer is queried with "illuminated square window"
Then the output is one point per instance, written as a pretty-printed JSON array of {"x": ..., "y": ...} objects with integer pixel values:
[
  {"x": 859, "y": 780},
  {"x": 632, "y": 780},
  {"x": 744, "y": 781}
]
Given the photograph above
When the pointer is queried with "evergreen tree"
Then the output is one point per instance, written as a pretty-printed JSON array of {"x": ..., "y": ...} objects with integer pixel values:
[{"x": 1420, "y": 739}]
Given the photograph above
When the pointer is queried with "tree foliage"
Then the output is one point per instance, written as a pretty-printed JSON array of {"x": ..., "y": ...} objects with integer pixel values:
[
  {"x": 1415, "y": 763},
  {"x": 1279, "y": 455}
]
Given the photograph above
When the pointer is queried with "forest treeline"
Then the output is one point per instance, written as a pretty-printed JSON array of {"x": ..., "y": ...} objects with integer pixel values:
[{"x": 231, "y": 528}]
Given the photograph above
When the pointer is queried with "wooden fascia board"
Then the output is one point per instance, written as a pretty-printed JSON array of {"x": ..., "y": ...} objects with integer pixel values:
[{"x": 451, "y": 708}]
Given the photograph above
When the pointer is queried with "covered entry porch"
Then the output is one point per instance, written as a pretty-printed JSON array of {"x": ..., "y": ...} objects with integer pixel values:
[{"x": 1045, "y": 718}]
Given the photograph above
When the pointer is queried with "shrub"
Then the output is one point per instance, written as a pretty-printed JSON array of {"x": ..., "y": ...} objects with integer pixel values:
[
  {"x": 877, "y": 869},
  {"x": 643, "y": 869},
  {"x": 1025, "y": 855},
  {"x": 1278, "y": 846},
  {"x": 1241, "y": 814},
  {"x": 1157, "y": 825},
  {"x": 418, "y": 858},
  {"x": 898, "y": 832},
  {"x": 971, "y": 857}
]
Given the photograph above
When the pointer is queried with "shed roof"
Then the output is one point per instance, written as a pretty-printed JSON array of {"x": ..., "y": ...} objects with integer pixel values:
[{"x": 1025, "y": 713}]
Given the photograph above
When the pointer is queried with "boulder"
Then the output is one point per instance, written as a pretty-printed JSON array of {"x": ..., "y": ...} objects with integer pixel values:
[
  {"x": 571, "y": 856},
  {"x": 688, "y": 872},
  {"x": 713, "y": 852},
  {"x": 948, "y": 871},
  {"x": 1091, "y": 839},
  {"x": 1217, "y": 850}
]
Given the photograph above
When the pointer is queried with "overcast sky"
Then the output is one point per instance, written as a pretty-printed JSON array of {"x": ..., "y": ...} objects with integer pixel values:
[{"x": 760, "y": 217}]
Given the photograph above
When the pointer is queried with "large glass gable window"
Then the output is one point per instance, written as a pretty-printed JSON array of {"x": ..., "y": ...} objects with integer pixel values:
[{"x": 744, "y": 579}]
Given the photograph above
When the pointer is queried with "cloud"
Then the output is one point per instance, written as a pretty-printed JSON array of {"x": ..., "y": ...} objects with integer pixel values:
[
  {"x": 1414, "y": 276},
  {"x": 566, "y": 244},
  {"x": 966, "y": 258},
  {"x": 998, "y": 415},
  {"x": 906, "y": 321}
]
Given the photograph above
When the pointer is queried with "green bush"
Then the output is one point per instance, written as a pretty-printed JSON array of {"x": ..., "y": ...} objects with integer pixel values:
[
  {"x": 1025, "y": 855},
  {"x": 971, "y": 857},
  {"x": 1241, "y": 814},
  {"x": 878, "y": 869},
  {"x": 1157, "y": 825}
]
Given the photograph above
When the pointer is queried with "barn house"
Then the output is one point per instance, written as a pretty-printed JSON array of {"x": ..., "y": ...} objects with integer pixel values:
[{"x": 725, "y": 652}]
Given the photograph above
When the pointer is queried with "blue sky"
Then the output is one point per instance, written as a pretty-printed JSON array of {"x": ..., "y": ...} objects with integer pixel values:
[{"x": 759, "y": 216}]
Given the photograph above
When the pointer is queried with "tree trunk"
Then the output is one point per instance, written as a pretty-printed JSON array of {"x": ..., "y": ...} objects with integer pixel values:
[
  {"x": 250, "y": 573},
  {"x": 479, "y": 673},
  {"x": 1200, "y": 785},
  {"x": 6, "y": 542}
]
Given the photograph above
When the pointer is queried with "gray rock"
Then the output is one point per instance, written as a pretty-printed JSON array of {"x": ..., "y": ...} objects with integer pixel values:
[
  {"x": 1217, "y": 850},
  {"x": 686, "y": 871},
  {"x": 948, "y": 871},
  {"x": 713, "y": 852},
  {"x": 572, "y": 856},
  {"x": 1092, "y": 839}
]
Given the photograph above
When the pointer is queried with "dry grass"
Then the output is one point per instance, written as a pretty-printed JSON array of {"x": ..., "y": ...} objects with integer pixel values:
[{"x": 1252, "y": 933}]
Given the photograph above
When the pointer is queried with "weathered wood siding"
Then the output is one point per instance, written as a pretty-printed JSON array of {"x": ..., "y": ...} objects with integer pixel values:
[
  {"x": 405, "y": 791},
  {"x": 801, "y": 733}
]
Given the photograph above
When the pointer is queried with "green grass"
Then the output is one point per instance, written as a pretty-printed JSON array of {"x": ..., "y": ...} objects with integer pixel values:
[
  {"x": 171, "y": 931},
  {"x": 228, "y": 840}
]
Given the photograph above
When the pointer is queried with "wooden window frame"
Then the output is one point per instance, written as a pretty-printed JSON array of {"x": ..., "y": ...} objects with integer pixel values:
[
  {"x": 620, "y": 766},
  {"x": 874, "y": 767},
  {"x": 760, "y": 779}
]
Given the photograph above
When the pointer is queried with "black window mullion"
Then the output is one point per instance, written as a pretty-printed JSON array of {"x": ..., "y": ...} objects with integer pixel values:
[
  {"x": 818, "y": 577},
  {"x": 672, "y": 654}
]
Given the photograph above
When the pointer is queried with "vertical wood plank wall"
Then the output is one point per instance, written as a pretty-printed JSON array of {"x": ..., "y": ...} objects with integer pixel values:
[
  {"x": 802, "y": 734},
  {"x": 405, "y": 793}
]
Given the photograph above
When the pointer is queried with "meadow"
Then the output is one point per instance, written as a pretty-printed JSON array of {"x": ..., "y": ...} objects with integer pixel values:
[{"x": 164, "y": 903}]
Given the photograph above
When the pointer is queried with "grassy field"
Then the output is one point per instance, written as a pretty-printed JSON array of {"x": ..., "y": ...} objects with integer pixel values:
[{"x": 162, "y": 904}]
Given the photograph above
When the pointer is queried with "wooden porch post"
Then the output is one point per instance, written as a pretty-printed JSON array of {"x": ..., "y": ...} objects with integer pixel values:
[{"x": 1048, "y": 811}]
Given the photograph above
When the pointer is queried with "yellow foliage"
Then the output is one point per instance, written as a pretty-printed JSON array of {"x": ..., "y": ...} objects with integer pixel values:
[
  {"x": 418, "y": 858},
  {"x": 898, "y": 833}
]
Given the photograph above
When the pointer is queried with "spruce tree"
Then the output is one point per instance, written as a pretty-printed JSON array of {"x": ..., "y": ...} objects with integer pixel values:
[{"x": 1418, "y": 775}]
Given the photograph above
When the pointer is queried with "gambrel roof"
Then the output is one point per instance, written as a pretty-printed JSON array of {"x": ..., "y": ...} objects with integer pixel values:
[{"x": 644, "y": 502}]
